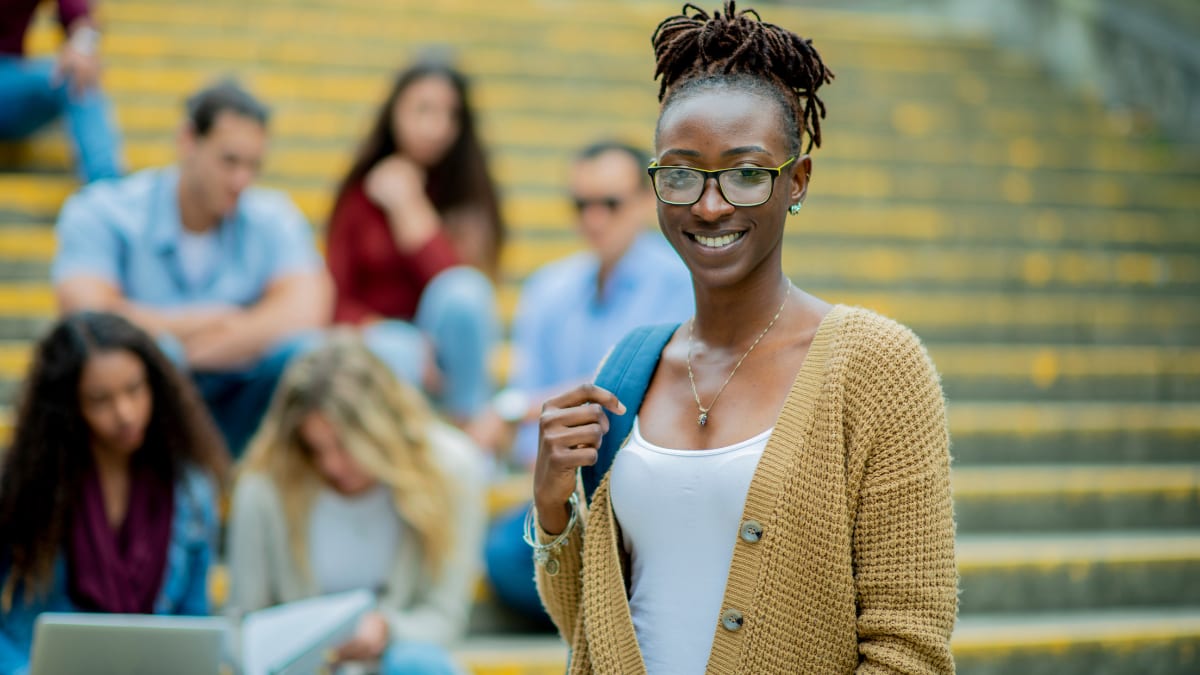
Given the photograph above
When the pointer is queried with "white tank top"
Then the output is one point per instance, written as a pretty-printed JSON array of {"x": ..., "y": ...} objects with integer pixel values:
[{"x": 679, "y": 512}]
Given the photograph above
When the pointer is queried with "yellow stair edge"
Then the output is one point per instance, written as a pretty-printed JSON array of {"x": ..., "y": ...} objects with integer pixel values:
[
  {"x": 927, "y": 311},
  {"x": 984, "y": 552},
  {"x": 1178, "y": 481},
  {"x": 867, "y": 263},
  {"x": 1041, "y": 365}
]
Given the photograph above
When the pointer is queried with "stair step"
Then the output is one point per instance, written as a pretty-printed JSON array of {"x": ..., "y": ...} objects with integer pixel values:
[
  {"x": 1078, "y": 570},
  {"x": 849, "y": 265},
  {"x": 38, "y": 198},
  {"x": 1078, "y": 497},
  {"x": 936, "y": 315},
  {"x": 970, "y": 372},
  {"x": 307, "y": 152},
  {"x": 956, "y": 317},
  {"x": 1035, "y": 432},
  {"x": 1109, "y": 642},
  {"x": 1030, "y": 433},
  {"x": 473, "y": 19},
  {"x": 1072, "y": 643}
]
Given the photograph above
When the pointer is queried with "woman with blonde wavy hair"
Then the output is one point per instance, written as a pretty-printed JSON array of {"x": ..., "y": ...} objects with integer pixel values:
[{"x": 353, "y": 483}]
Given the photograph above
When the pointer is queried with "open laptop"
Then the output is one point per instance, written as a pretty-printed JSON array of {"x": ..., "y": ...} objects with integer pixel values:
[{"x": 128, "y": 644}]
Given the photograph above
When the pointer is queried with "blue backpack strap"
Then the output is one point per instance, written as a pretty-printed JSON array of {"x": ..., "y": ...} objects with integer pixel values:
[{"x": 626, "y": 373}]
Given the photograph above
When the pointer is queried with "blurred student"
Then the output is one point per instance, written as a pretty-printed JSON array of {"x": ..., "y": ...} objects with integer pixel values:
[
  {"x": 352, "y": 483},
  {"x": 571, "y": 313},
  {"x": 414, "y": 236},
  {"x": 107, "y": 496},
  {"x": 226, "y": 275},
  {"x": 38, "y": 91}
]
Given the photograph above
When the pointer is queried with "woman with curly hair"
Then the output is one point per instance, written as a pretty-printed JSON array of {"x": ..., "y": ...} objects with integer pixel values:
[
  {"x": 353, "y": 484},
  {"x": 782, "y": 501},
  {"x": 108, "y": 492}
]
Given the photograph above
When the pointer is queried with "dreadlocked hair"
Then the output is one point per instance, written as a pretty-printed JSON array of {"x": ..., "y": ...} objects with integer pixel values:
[{"x": 698, "y": 50}]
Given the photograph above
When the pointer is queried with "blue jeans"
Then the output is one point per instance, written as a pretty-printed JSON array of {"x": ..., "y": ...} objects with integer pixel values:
[
  {"x": 238, "y": 400},
  {"x": 31, "y": 99},
  {"x": 457, "y": 314},
  {"x": 416, "y": 658},
  {"x": 510, "y": 566}
]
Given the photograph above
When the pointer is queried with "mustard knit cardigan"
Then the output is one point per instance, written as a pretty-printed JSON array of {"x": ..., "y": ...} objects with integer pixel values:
[{"x": 854, "y": 571}]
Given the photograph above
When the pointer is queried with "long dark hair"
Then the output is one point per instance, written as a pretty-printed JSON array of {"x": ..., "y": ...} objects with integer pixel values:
[
  {"x": 461, "y": 178},
  {"x": 44, "y": 468}
]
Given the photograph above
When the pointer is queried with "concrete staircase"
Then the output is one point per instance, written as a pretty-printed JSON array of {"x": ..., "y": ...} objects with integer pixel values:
[{"x": 1050, "y": 258}]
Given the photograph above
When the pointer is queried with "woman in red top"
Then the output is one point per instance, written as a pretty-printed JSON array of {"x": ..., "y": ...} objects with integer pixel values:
[{"x": 415, "y": 236}]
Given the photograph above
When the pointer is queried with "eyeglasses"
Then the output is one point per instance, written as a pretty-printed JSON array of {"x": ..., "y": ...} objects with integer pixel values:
[
  {"x": 611, "y": 204},
  {"x": 740, "y": 186}
]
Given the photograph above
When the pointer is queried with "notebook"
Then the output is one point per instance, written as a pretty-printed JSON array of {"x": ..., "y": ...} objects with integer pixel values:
[{"x": 292, "y": 639}]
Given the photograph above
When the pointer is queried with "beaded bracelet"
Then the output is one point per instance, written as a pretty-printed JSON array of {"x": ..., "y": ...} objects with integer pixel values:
[{"x": 542, "y": 553}]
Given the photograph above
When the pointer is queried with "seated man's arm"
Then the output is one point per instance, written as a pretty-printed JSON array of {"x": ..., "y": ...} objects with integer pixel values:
[
  {"x": 96, "y": 292},
  {"x": 87, "y": 273},
  {"x": 291, "y": 304},
  {"x": 298, "y": 296}
]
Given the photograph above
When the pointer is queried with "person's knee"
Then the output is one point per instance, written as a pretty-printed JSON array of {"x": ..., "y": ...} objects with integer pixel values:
[
  {"x": 417, "y": 658},
  {"x": 461, "y": 294}
]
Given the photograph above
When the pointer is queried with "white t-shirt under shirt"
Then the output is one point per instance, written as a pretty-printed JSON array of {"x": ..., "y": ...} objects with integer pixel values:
[
  {"x": 198, "y": 256},
  {"x": 679, "y": 512},
  {"x": 352, "y": 541}
]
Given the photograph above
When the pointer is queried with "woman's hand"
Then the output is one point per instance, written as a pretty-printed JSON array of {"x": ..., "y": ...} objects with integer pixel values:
[
  {"x": 569, "y": 433},
  {"x": 397, "y": 185},
  {"x": 394, "y": 181},
  {"x": 369, "y": 641}
]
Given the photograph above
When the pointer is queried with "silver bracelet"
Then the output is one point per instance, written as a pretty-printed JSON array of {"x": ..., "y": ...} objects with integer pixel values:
[{"x": 543, "y": 554}]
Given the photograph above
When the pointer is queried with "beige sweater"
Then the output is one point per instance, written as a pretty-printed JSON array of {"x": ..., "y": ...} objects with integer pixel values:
[
  {"x": 263, "y": 572},
  {"x": 854, "y": 571}
]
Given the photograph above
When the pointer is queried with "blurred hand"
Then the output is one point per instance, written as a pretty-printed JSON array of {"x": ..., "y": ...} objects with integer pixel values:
[
  {"x": 489, "y": 431},
  {"x": 202, "y": 319},
  {"x": 394, "y": 182},
  {"x": 369, "y": 641},
  {"x": 218, "y": 346},
  {"x": 569, "y": 433},
  {"x": 81, "y": 71}
]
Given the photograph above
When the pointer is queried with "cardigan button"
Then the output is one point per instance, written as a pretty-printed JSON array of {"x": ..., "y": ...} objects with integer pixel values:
[
  {"x": 732, "y": 620},
  {"x": 751, "y": 531}
]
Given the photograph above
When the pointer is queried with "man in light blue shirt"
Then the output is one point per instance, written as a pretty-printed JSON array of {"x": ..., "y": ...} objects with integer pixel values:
[
  {"x": 225, "y": 274},
  {"x": 573, "y": 311}
]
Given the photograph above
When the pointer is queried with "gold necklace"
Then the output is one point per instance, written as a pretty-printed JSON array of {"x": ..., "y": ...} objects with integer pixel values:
[{"x": 702, "y": 418}]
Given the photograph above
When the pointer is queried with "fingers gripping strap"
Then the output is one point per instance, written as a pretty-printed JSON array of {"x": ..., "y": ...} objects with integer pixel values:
[{"x": 626, "y": 373}]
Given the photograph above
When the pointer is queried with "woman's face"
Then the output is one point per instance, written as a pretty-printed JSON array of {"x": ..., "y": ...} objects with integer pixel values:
[
  {"x": 116, "y": 401},
  {"x": 329, "y": 456},
  {"x": 427, "y": 119},
  {"x": 718, "y": 129}
]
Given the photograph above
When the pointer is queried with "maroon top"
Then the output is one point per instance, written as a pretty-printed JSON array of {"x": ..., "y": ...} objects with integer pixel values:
[
  {"x": 15, "y": 16},
  {"x": 373, "y": 278},
  {"x": 121, "y": 570}
]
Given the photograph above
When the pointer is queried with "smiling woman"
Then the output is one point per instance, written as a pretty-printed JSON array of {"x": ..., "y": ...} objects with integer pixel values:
[{"x": 782, "y": 503}]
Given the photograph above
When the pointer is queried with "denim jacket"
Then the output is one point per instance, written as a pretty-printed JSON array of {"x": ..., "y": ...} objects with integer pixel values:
[{"x": 185, "y": 581}]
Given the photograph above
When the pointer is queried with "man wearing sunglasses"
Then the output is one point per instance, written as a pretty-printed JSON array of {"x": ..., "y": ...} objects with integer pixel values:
[{"x": 572, "y": 311}]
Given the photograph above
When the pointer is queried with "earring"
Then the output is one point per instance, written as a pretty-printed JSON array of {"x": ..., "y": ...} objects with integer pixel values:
[{"x": 794, "y": 209}]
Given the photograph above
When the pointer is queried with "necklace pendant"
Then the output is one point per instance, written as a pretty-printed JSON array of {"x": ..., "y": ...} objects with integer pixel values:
[{"x": 702, "y": 419}]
